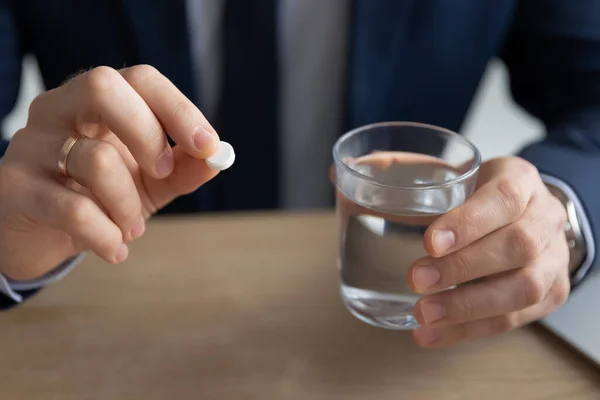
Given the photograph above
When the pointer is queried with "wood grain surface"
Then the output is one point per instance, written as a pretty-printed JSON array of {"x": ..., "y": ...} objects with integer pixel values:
[{"x": 246, "y": 306}]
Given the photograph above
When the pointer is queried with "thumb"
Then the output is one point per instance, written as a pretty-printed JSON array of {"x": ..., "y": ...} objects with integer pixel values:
[{"x": 188, "y": 175}]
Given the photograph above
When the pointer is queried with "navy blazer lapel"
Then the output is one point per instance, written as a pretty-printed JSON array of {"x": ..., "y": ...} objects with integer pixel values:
[{"x": 160, "y": 38}]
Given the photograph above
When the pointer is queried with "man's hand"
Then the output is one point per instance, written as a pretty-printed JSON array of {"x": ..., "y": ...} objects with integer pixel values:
[
  {"x": 120, "y": 172},
  {"x": 506, "y": 250}
]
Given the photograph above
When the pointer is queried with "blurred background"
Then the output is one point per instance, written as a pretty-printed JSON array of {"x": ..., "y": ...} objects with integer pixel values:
[{"x": 495, "y": 123}]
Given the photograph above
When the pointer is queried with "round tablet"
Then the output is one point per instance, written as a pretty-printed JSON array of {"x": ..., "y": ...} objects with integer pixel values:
[{"x": 223, "y": 158}]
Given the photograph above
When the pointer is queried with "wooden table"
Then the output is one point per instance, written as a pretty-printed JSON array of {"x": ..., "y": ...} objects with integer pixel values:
[{"x": 247, "y": 307}]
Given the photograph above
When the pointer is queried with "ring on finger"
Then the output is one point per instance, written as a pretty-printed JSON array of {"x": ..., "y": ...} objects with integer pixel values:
[{"x": 65, "y": 150}]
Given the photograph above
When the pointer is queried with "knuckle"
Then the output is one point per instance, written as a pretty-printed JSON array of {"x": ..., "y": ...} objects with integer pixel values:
[
  {"x": 106, "y": 245},
  {"x": 109, "y": 244},
  {"x": 460, "y": 268},
  {"x": 464, "y": 307},
  {"x": 561, "y": 296},
  {"x": 38, "y": 105},
  {"x": 103, "y": 157},
  {"x": 79, "y": 210},
  {"x": 560, "y": 293},
  {"x": 19, "y": 138},
  {"x": 472, "y": 217},
  {"x": 525, "y": 167},
  {"x": 182, "y": 110},
  {"x": 463, "y": 332},
  {"x": 139, "y": 73},
  {"x": 153, "y": 141},
  {"x": 512, "y": 196},
  {"x": 558, "y": 211},
  {"x": 131, "y": 209},
  {"x": 504, "y": 323},
  {"x": 155, "y": 138},
  {"x": 532, "y": 288},
  {"x": 101, "y": 79},
  {"x": 525, "y": 243}
]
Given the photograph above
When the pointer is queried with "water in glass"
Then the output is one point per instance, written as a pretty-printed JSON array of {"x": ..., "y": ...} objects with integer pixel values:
[{"x": 380, "y": 238}]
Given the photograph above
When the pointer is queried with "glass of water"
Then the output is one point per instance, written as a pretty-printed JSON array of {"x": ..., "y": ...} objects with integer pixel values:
[{"x": 393, "y": 180}]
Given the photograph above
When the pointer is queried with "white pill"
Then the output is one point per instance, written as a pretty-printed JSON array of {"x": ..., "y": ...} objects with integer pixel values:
[{"x": 223, "y": 158}]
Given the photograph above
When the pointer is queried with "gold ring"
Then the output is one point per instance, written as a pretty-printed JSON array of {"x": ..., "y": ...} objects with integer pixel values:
[{"x": 64, "y": 153}]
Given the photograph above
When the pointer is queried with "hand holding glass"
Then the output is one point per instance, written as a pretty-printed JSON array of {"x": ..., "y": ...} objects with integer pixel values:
[{"x": 393, "y": 180}]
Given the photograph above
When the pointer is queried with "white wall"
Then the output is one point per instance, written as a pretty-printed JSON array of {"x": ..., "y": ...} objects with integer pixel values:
[
  {"x": 495, "y": 124},
  {"x": 31, "y": 85}
]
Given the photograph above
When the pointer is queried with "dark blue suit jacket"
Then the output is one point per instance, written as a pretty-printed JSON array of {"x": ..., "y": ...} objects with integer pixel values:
[{"x": 417, "y": 60}]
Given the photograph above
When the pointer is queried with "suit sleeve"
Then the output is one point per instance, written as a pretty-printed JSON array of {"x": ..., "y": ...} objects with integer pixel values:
[
  {"x": 11, "y": 55},
  {"x": 3, "y": 146},
  {"x": 553, "y": 56}
]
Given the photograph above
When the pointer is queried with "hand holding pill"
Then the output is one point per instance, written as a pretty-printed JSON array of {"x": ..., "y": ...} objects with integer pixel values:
[{"x": 105, "y": 169}]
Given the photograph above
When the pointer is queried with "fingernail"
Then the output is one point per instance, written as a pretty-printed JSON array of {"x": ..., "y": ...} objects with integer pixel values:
[
  {"x": 426, "y": 336},
  {"x": 432, "y": 312},
  {"x": 165, "y": 163},
  {"x": 138, "y": 229},
  {"x": 425, "y": 277},
  {"x": 442, "y": 241},
  {"x": 122, "y": 253},
  {"x": 203, "y": 138}
]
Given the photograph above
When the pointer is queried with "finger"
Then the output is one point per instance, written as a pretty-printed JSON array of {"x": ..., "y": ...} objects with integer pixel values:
[
  {"x": 516, "y": 245},
  {"x": 498, "y": 202},
  {"x": 183, "y": 121},
  {"x": 453, "y": 334},
  {"x": 189, "y": 174},
  {"x": 60, "y": 208},
  {"x": 98, "y": 165},
  {"x": 103, "y": 96},
  {"x": 501, "y": 294}
]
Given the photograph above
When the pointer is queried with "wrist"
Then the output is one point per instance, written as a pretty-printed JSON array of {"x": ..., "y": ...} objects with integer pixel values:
[
  {"x": 30, "y": 266},
  {"x": 577, "y": 229}
]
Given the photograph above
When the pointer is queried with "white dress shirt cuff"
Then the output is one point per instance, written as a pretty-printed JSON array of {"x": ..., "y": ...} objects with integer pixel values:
[{"x": 10, "y": 287}]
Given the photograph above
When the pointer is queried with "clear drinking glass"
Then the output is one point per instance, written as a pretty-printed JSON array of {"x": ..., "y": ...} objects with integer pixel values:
[{"x": 393, "y": 180}]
